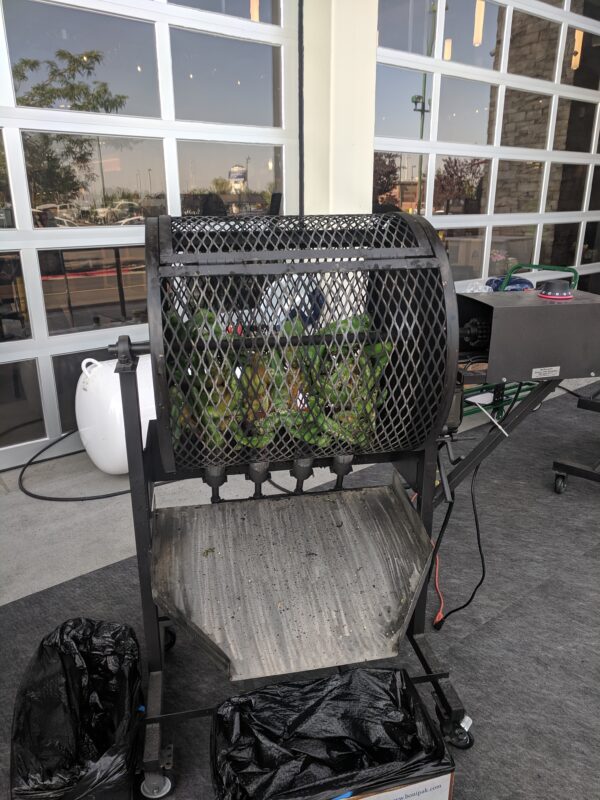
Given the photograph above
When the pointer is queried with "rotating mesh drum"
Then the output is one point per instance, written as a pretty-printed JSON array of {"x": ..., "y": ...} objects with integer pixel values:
[{"x": 277, "y": 338}]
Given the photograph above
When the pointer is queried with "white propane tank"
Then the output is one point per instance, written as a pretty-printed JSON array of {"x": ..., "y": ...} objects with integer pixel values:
[{"x": 99, "y": 411}]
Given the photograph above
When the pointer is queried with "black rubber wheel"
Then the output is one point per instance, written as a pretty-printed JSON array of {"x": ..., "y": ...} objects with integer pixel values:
[
  {"x": 560, "y": 484},
  {"x": 460, "y": 738},
  {"x": 170, "y": 638}
]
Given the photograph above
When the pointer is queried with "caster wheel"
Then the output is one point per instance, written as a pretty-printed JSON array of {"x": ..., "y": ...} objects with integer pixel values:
[
  {"x": 165, "y": 791},
  {"x": 170, "y": 638},
  {"x": 460, "y": 738},
  {"x": 560, "y": 484}
]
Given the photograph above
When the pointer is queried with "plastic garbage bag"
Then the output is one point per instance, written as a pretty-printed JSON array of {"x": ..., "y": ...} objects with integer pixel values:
[
  {"x": 76, "y": 714},
  {"x": 357, "y": 731}
]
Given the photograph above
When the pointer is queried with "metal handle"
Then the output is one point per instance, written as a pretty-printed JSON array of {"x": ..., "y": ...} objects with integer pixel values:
[{"x": 512, "y": 270}]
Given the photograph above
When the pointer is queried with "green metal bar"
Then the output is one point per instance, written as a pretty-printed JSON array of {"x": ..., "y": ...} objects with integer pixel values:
[{"x": 512, "y": 270}]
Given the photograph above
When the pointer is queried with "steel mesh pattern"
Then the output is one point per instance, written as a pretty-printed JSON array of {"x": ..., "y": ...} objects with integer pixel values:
[
  {"x": 320, "y": 234},
  {"x": 276, "y": 367}
]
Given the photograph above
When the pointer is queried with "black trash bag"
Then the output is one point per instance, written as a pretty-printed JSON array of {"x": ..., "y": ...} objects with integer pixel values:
[
  {"x": 76, "y": 715},
  {"x": 360, "y": 730}
]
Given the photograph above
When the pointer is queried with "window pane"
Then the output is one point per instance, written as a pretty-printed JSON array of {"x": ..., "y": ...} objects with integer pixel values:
[
  {"x": 6, "y": 213},
  {"x": 557, "y": 3},
  {"x": 255, "y": 10},
  {"x": 591, "y": 243},
  {"x": 88, "y": 289},
  {"x": 218, "y": 179},
  {"x": 574, "y": 125},
  {"x": 589, "y": 8},
  {"x": 558, "y": 244},
  {"x": 14, "y": 316},
  {"x": 217, "y": 79},
  {"x": 93, "y": 180},
  {"x": 473, "y": 33},
  {"x": 406, "y": 25},
  {"x": 402, "y": 103},
  {"x": 525, "y": 119},
  {"x": 465, "y": 251},
  {"x": 566, "y": 186},
  {"x": 511, "y": 246},
  {"x": 518, "y": 187},
  {"x": 465, "y": 111},
  {"x": 581, "y": 63},
  {"x": 533, "y": 45},
  {"x": 66, "y": 58},
  {"x": 399, "y": 180},
  {"x": 21, "y": 414},
  {"x": 595, "y": 195},
  {"x": 67, "y": 370},
  {"x": 461, "y": 185}
]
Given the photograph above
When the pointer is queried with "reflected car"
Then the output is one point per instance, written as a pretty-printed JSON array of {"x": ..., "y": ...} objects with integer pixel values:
[
  {"x": 137, "y": 220},
  {"x": 121, "y": 210}
]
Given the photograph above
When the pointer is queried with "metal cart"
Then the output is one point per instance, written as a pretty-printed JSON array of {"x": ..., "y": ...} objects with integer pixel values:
[{"x": 286, "y": 343}]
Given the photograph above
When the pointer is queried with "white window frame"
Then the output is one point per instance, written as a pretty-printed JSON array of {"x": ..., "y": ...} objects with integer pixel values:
[
  {"x": 502, "y": 79},
  {"x": 27, "y": 240}
]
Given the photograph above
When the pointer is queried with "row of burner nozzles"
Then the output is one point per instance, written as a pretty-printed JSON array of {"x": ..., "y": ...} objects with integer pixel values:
[{"x": 258, "y": 473}]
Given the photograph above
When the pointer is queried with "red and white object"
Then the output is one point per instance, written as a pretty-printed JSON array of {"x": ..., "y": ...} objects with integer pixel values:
[{"x": 99, "y": 411}]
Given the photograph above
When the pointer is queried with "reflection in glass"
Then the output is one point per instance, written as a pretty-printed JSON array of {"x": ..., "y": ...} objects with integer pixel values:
[
  {"x": 254, "y": 10},
  {"x": 95, "y": 288},
  {"x": 14, "y": 316},
  {"x": 406, "y": 25},
  {"x": 559, "y": 243},
  {"x": 465, "y": 114},
  {"x": 218, "y": 178},
  {"x": 557, "y": 3},
  {"x": 21, "y": 413},
  {"x": 525, "y": 119},
  {"x": 399, "y": 181},
  {"x": 574, "y": 125},
  {"x": 67, "y": 369},
  {"x": 473, "y": 33},
  {"x": 510, "y": 246},
  {"x": 591, "y": 243},
  {"x": 93, "y": 180},
  {"x": 6, "y": 212},
  {"x": 402, "y": 103},
  {"x": 218, "y": 79},
  {"x": 72, "y": 59},
  {"x": 589, "y": 8},
  {"x": 464, "y": 247},
  {"x": 461, "y": 185},
  {"x": 518, "y": 187},
  {"x": 595, "y": 195},
  {"x": 566, "y": 187},
  {"x": 533, "y": 46},
  {"x": 581, "y": 64}
]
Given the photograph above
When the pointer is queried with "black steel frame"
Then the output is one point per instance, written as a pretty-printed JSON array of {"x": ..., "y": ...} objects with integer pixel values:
[{"x": 146, "y": 467}]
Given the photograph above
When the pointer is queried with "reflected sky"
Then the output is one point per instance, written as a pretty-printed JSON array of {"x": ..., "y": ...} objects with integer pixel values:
[
  {"x": 407, "y": 25},
  {"x": 38, "y": 30},
  {"x": 256, "y": 10},
  {"x": 395, "y": 113},
  {"x": 201, "y": 162},
  {"x": 464, "y": 111},
  {"x": 218, "y": 79},
  {"x": 460, "y": 34}
]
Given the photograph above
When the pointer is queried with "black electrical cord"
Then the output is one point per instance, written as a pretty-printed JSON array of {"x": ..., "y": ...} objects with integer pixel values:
[
  {"x": 441, "y": 617},
  {"x": 37, "y": 496},
  {"x": 440, "y": 621}
]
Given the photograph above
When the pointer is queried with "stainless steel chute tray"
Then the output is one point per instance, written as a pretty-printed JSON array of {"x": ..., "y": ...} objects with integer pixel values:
[{"x": 293, "y": 583}]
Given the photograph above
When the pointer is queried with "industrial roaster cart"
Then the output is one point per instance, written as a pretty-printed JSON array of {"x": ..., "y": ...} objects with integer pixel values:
[{"x": 285, "y": 343}]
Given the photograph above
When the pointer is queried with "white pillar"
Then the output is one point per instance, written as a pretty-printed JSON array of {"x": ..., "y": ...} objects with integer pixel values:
[{"x": 340, "y": 51}]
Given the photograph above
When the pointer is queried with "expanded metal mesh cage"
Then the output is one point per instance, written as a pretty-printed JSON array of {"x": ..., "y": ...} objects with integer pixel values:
[{"x": 276, "y": 338}]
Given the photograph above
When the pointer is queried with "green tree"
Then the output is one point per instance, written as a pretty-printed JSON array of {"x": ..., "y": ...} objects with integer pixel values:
[
  {"x": 58, "y": 165},
  {"x": 458, "y": 180},
  {"x": 220, "y": 186},
  {"x": 386, "y": 174}
]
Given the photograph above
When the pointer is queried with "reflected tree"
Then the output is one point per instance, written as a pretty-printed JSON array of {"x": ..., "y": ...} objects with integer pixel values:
[
  {"x": 386, "y": 175},
  {"x": 59, "y": 165},
  {"x": 459, "y": 179}
]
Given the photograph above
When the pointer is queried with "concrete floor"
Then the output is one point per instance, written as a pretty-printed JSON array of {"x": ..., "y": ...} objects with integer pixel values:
[{"x": 45, "y": 543}]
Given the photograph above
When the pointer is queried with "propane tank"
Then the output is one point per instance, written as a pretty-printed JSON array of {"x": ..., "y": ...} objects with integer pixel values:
[{"x": 99, "y": 411}]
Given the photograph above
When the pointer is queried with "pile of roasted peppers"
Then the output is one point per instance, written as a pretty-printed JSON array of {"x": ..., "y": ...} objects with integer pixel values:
[{"x": 321, "y": 393}]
